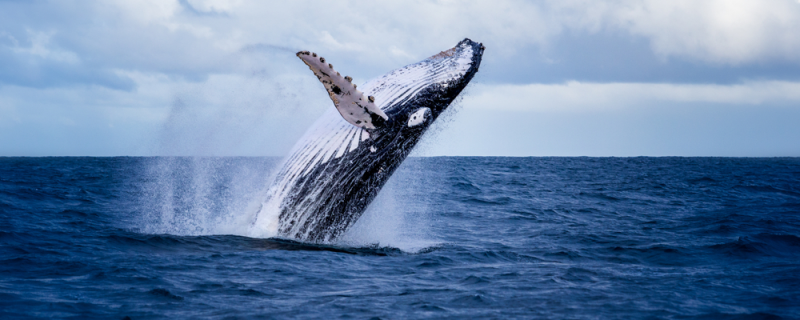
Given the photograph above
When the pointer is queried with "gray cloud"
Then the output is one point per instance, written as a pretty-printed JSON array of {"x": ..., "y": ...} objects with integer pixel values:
[
  {"x": 68, "y": 43},
  {"x": 58, "y": 43}
]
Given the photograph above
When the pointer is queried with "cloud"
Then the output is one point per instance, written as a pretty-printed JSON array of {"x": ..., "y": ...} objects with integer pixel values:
[
  {"x": 196, "y": 38},
  {"x": 666, "y": 129},
  {"x": 214, "y": 6},
  {"x": 40, "y": 47},
  {"x": 723, "y": 31},
  {"x": 222, "y": 115},
  {"x": 621, "y": 119},
  {"x": 45, "y": 44},
  {"x": 576, "y": 96},
  {"x": 719, "y": 31}
]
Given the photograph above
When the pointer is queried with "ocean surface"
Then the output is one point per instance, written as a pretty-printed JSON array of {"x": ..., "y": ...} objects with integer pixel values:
[{"x": 450, "y": 237}]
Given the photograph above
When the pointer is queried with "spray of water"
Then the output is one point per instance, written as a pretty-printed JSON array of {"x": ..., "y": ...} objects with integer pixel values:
[
  {"x": 199, "y": 190},
  {"x": 202, "y": 195},
  {"x": 394, "y": 219},
  {"x": 197, "y": 196}
]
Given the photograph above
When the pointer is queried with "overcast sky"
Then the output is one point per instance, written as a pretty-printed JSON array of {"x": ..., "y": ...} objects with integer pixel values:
[{"x": 559, "y": 78}]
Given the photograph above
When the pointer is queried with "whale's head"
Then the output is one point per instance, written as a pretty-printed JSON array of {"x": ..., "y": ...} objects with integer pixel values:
[
  {"x": 395, "y": 109},
  {"x": 414, "y": 96}
]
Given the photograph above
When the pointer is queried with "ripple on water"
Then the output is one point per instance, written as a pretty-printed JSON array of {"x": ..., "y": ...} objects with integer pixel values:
[{"x": 451, "y": 237}]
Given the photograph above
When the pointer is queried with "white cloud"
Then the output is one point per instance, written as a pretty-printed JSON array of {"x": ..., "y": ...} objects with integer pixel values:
[
  {"x": 723, "y": 30},
  {"x": 621, "y": 119},
  {"x": 227, "y": 114},
  {"x": 719, "y": 31},
  {"x": 581, "y": 97}
]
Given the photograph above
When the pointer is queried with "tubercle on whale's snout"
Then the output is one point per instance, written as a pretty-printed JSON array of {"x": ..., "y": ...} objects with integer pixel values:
[{"x": 478, "y": 54}]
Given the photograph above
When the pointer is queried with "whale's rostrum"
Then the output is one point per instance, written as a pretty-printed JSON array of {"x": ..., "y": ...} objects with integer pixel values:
[{"x": 337, "y": 168}]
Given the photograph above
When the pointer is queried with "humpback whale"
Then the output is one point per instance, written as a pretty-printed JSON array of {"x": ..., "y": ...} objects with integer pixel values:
[{"x": 338, "y": 167}]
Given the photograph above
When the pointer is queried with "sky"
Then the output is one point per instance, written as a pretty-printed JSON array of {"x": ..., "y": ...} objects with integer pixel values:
[{"x": 558, "y": 78}]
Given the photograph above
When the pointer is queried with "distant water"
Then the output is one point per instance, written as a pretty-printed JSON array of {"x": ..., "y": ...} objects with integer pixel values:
[{"x": 163, "y": 238}]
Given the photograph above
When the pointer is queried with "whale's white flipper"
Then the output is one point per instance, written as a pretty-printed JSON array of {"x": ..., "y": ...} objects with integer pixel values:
[{"x": 351, "y": 103}]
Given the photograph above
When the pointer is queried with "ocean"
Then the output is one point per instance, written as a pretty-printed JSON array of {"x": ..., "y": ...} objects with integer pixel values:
[{"x": 448, "y": 237}]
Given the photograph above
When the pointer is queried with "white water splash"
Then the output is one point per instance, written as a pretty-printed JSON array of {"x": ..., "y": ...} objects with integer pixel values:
[
  {"x": 197, "y": 196},
  {"x": 394, "y": 219},
  {"x": 201, "y": 196}
]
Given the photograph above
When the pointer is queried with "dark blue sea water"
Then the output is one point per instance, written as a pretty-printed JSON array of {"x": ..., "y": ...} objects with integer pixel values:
[{"x": 157, "y": 238}]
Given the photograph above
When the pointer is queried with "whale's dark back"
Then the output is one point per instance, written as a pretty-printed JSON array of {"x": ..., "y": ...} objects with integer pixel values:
[{"x": 337, "y": 169}]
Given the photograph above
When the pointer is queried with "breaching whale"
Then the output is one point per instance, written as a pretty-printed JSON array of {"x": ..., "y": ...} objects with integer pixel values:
[{"x": 337, "y": 168}]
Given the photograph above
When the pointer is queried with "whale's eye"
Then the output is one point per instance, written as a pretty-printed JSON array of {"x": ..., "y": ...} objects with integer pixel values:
[{"x": 418, "y": 117}]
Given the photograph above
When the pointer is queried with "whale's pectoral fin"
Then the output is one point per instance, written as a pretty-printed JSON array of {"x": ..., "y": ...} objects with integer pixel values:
[{"x": 352, "y": 104}]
